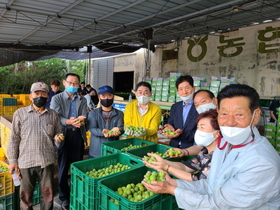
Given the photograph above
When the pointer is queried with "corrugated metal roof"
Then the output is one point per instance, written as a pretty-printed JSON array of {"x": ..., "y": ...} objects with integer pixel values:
[{"x": 78, "y": 23}]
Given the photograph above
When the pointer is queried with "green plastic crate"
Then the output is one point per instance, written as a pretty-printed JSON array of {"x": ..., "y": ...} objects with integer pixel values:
[
  {"x": 108, "y": 186},
  {"x": 141, "y": 152},
  {"x": 9, "y": 102},
  {"x": 84, "y": 192},
  {"x": 7, "y": 202},
  {"x": 114, "y": 147},
  {"x": 36, "y": 196}
]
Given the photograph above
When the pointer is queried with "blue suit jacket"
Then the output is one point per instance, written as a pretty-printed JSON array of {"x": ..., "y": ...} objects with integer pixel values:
[{"x": 189, "y": 128}]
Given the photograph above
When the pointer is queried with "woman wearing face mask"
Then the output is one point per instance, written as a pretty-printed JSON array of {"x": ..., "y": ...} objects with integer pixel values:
[
  {"x": 206, "y": 135},
  {"x": 105, "y": 123},
  {"x": 143, "y": 113}
]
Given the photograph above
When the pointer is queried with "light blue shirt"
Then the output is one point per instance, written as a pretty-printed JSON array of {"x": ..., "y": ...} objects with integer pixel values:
[
  {"x": 245, "y": 178},
  {"x": 186, "y": 110},
  {"x": 73, "y": 109}
]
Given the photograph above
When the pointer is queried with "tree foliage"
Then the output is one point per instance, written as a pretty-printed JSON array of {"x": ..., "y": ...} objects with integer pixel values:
[{"x": 18, "y": 78}]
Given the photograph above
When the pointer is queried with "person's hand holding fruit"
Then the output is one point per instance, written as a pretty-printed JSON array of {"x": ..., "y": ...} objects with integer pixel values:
[
  {"x": 175, "y": 153},
  {"x": 80, "y": 121},
  {"x": 110, "y": 133},
  {"x": 156, "y": 162},
  {"x": 170, "y": 132},
  {"x": 159, "y": 187},
  {"x": 59, "y": 138}
]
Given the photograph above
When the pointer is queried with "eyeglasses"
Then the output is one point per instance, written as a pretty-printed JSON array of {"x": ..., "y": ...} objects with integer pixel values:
[{"x": 71, "y": 83}]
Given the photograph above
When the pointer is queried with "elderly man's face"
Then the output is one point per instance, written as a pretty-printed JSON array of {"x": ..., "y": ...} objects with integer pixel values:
[
  {"x": 235, "y": 112},
  {"x": 203, "y": 98},
  {"x": 185, "y": 89}
]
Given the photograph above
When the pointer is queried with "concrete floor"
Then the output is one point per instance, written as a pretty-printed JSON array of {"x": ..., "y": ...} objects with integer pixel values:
[{"x": 56, "y": 204}]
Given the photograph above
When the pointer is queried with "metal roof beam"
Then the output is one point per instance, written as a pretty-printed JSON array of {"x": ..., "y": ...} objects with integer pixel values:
[
  {"x": 98, "y": 19},
  {"x": 50, "y": 20},
  {"x": 164, "y": 22},
  {"x": 5, "y": 10},
  {"x": 142, "y": 19}
]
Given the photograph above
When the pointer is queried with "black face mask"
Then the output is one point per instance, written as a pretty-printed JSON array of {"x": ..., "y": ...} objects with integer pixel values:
[
  {"x": 106, "y": 102},
  {"x": 40, "y": 101}
]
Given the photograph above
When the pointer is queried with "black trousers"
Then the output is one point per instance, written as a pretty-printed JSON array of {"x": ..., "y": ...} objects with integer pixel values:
[{"x": 72, "y": 151}]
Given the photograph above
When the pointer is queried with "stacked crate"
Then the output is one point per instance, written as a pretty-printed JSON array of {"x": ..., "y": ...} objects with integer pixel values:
[
  {"x": 270, "y": 132},
  {"x": 6, "y": 190},
  {"x": 165, "y": 90},
  {"x": 89, "y": 193},
  {"x": 159, "y": 82},
  {"x": 277, "y": 135},
  {"x": 173, "y": 95},
  {"x": 22, "y": 99},
  {"x": 9, "y": 105},
  {"x": 154, "y": 86}
]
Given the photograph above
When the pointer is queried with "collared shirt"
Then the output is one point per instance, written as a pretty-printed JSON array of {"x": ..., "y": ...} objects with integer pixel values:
[
  {"x": 142, "y": 111},
  {"x": 247, "y": 178},
  {"x": 31, "y": 142},
  {"x": 73, "y": 109},
  {"x": 186, "y": 110}
]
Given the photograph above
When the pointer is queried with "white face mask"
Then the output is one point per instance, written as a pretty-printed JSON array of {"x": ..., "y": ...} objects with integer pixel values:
[
  {"x": 143, "y": 99},
  {"x": 188, "y": 98},
  {"x": 205, "y": 107},
  {"x": 203, "y": 139},
  {"x": 235, "y": 135}
]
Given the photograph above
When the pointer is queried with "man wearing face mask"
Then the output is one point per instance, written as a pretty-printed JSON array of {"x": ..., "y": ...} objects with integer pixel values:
[
  {"x": 143, "y": 113},
  {"x": 30, "y": 149},
  {"x": 204, "y": 100},
  {"x": 72, "y": 109},
  {"x": 182, "y": 119},
  {"x": 105, "y": 123},
  {"x": 245, "y": 168}
]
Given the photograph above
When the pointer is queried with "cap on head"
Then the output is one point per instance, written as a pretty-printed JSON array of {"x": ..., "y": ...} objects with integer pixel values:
[
  {"x": 39, "y": 86},
  {"x": 105, "y": 89}
]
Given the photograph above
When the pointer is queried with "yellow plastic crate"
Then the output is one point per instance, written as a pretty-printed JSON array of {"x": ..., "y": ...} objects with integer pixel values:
[
  {"x": 88, "y": 134},
  {"x": 24, "y": 97},
  {"x": 27, "y": 102},
  {"x": 9, "y": 110},
  {"x": 2, "y": 155},
  {"x": 17, "y": 96},
  {"x": 1, "y": 106},
  {"x": 5, "y": 125},
  {"x": 6, "y": 182},
  {"x": 5, "y": 96},
  {"x": 19, "y": 102}
]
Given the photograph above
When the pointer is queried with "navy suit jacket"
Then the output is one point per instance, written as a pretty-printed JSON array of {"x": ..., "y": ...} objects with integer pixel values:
[{"x": 189, "y": 128}]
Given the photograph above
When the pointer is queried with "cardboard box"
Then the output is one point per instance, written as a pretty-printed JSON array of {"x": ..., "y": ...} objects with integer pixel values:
[
  {"x": 215, "y": 83},
  {"x": 164, "y": 98},
  {"x": 165, "y": 88},
  {"x": 171, "y": 99},
  {"x": 196, "y": 83},
  {"x": 165, "y": 82}
]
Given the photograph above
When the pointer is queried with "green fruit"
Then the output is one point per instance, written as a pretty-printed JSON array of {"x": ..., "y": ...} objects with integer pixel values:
[
  {"x": 161, "y": 173},
  {"x": 153, "y": 178}
]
